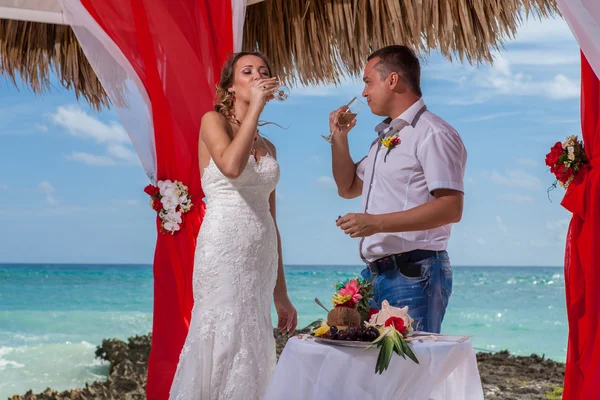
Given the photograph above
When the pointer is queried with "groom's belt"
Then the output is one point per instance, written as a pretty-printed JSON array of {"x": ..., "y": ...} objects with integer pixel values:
[{"x": 404, "y": 262}]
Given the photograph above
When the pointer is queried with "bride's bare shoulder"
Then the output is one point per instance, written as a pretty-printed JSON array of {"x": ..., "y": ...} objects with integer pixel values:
[
  {"x": 214, "y": 118},
  {"x": 214, "y": 125}
]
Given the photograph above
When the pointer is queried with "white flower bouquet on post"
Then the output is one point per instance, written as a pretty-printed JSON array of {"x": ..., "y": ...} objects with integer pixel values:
[{"x": 170, "y": 199}]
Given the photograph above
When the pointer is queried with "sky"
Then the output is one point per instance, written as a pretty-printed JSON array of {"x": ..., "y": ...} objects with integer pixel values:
[{"x": 71, "y": 184}]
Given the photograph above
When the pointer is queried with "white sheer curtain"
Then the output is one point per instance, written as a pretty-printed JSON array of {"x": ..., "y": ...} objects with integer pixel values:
[
  {"x": 47, "y": 11},
  {"x": 583, "y": 17},
  {"x": 126, "y": 92},
  {"x": 238, "y": 11}
]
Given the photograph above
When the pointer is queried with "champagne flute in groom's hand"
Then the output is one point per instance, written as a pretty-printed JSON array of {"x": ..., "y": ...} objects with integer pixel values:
[{"x": 346, "y": 117}]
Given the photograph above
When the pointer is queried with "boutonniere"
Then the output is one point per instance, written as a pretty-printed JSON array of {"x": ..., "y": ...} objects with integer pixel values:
[{"x": 390, "y": 142}]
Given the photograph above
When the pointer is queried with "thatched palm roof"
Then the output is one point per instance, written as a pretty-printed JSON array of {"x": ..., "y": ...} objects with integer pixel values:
[{"x": 311, "y": 41}]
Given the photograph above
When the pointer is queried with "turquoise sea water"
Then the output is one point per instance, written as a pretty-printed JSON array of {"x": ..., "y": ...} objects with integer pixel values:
[{"x": 53, "y": 316}]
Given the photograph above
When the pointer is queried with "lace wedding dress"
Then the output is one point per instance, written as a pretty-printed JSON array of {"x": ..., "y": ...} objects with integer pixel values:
[{"x": 229, "y": 352}]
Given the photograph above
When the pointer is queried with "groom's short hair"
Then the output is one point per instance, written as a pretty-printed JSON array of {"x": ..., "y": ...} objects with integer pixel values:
[{"x": 403, "y": 61}]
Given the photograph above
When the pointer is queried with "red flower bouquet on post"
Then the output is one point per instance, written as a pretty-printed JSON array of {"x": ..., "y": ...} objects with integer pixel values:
[{"x": 566, "y": 160}]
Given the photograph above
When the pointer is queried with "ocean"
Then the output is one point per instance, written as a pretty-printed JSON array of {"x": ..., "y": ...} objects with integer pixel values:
[{"x": 52, "y": 316}]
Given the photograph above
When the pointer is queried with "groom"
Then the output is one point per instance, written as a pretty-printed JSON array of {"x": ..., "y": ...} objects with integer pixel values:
[{"x": 411, "y": 183}]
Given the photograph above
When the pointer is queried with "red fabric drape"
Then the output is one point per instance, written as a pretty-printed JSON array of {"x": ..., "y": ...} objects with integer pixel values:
[
  {"x": 177, "y": 49},
  {"x": 582, "y": 254}
]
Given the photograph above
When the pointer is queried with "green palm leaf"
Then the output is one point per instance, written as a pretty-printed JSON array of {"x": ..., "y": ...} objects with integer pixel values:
[
  {"x": 408, "y": 351},
  {"x": 389, "y": 343}
]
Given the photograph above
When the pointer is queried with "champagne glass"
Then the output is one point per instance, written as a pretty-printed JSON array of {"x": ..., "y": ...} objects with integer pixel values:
[
  {"x": 282, "y": 92},
  {"x": 345, "y": 118}
]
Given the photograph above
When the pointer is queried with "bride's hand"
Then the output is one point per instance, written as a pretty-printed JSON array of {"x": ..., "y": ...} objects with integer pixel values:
[
  {"x": 286, "y": 313},
  {"x": 262, "y": 91}
]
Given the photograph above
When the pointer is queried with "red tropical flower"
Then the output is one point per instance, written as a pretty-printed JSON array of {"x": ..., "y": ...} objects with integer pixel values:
[{"x": 397, "y": 323}]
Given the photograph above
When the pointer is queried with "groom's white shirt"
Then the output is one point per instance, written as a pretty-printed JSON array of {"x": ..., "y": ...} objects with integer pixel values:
[{"x": 430, "y": 156}]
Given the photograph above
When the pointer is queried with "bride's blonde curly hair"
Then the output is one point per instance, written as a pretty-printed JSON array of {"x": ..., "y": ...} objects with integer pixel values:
[{"x": 225, "y": 99}]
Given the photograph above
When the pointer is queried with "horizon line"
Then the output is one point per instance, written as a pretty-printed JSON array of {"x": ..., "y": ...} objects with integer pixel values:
[{"x": 286, "y": 265}]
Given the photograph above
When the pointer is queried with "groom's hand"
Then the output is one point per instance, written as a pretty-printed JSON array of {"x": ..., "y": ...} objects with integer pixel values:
[
  {"x": 358, "y": 225},
  {"x": 334, "y": 125}
]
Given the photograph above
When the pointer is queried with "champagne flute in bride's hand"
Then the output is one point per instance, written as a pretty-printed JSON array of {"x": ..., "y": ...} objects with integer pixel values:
[
  {"x": 345, "y": 117},
  {"x": 282, "y": 92}
]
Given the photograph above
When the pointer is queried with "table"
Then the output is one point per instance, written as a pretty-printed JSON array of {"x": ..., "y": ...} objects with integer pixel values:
[{"x": 308, "y": 370}]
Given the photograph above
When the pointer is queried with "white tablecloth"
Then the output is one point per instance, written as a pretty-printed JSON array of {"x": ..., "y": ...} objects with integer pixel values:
[{"x": 308, "y": 370}]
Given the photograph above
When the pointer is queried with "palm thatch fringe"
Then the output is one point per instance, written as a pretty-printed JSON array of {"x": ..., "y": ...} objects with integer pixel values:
[
  {"x": 308, "y": 41},
  {"x": 319, "y": 41},
  {"x": 29, "y": 50}
]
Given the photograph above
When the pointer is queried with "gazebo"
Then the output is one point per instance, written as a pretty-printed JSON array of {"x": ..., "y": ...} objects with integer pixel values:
[{"x": 127, "y": 54}]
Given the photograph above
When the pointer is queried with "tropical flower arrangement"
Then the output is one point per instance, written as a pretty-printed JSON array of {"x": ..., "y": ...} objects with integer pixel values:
[
  {"x": 170, "y": 200},
  {"x": 566, "y": 160},
  {"x": 353, "y": 320},
  {"x": 389, "y": 143}
]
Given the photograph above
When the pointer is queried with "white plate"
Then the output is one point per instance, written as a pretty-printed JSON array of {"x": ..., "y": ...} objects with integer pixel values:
[
  {"x": 343, "y": 343},
  {"x": 436, "y": 337}
]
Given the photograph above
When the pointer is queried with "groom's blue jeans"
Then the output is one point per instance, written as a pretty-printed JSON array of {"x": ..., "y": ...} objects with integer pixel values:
[{"x": 426, "y": 296}]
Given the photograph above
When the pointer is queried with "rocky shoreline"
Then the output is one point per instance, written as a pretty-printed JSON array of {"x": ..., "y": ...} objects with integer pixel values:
[{"x": 503, "y": 376}]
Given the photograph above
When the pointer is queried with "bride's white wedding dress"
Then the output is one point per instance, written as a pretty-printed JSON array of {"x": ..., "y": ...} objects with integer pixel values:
[{"x": 229, "y": 352}]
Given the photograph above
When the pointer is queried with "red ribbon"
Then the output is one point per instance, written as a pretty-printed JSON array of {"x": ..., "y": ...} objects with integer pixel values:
[{"x": 574, "y": 199}]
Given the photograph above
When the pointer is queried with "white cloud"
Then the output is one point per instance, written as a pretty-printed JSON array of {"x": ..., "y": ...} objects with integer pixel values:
[
  {"x": 92, "y": 159},
  {"x": 502, "y": 80},
  {"x": 325, "y": 181},
  {"x": 516, "y": 198},
  {"x": 82, "y": 125},
  {"x": 527, "y": 162},
  {"x": 562, "y": 87},
  {"x": 516, "y": 178},
  {"x": 48, "y": 190},
  {"x": 541, "y": 57},
  {"x": 480, "y": 241},
  {"x": 491, "y": 116},
  {"x": 541, "y": 61},
  {"x": 4, "y": 187},
  {"x": 346, "y": 88},
  {"x": 501, "y": 225},
  {"x": 486, "y": 84},
  {"x": 41, "y": 128},
  {"x": 123, "y": 153},
  {"x": 509, "y": 76},
  {"x": 547, "y": 30}
]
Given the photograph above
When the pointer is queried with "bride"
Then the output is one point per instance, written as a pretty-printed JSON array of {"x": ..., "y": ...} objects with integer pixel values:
[{"x": 229, "y": 352}]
